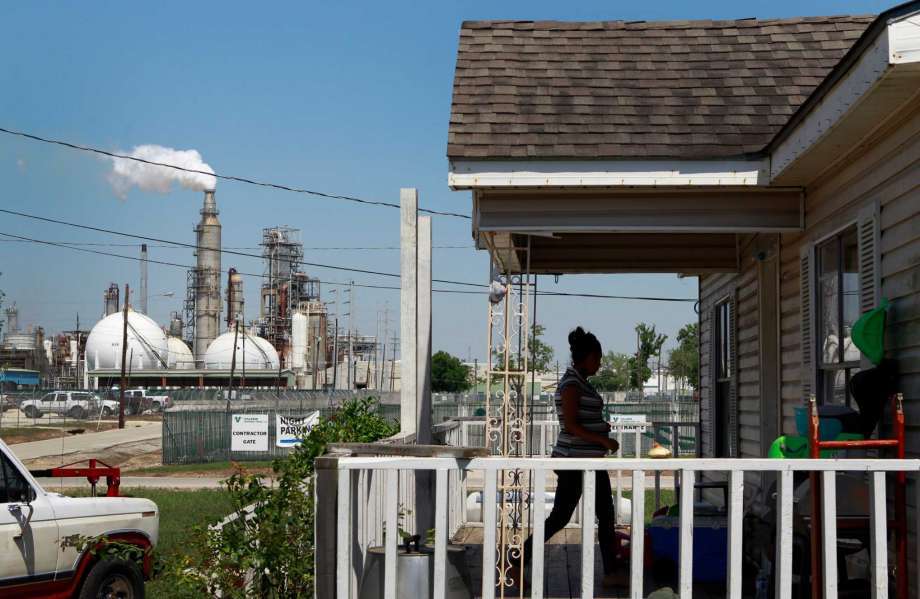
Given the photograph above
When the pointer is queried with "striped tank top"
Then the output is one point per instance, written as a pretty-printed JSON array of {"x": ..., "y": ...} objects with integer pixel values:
[{"x": 590, "y": 416}]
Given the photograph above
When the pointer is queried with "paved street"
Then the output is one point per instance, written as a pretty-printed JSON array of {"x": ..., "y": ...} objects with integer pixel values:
[
  {"x": 88, "y": 442},
  {"x": 136, "y": 482}
]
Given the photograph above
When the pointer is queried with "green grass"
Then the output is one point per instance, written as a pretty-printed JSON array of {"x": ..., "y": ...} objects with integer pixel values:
[
  {"x": 181, "y": 513},
  {"x": 194, "y": 468},
  {"x": 667, "y": 498}
]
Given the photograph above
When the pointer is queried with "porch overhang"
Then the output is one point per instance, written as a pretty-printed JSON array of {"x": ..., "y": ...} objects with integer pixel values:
[
  {"x": 686, "y": 230},
  {"x": 637, "y": 210},
  {"x": 606, "y": 253}
]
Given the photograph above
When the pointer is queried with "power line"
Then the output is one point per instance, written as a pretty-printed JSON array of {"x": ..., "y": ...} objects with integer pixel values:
[
  {"x": 175, "y": 264},
  {"x": 223, "y": 251},
  {"x": 362, "y": 285},
  {"x": 258, "y": 183},
  {"x": 172, "y": 246}
]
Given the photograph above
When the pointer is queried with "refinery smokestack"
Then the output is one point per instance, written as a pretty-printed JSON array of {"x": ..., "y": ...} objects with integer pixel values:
[
  {"x": 207, "y": 277},
  {"x": 234, "y": 298},
  {"x": 110, "y": 300},
  {"x": 142, "y": 301}
]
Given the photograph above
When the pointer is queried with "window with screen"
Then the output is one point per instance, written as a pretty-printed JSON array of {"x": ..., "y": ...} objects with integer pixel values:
[{"x": 837, "y": 287}]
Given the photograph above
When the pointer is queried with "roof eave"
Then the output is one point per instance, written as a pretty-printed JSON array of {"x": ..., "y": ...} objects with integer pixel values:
[{"x": 875, "y": 81}]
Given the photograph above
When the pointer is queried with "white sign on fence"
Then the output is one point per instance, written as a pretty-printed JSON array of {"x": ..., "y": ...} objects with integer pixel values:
[
  {"x": 249, "y": 432},
  {"x": 627, "y": 419},
  {"x": 291, "y": 429}
]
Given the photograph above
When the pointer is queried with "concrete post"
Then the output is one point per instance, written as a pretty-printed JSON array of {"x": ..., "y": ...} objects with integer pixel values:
[
  {"x": 408, "y": 309},
  {"x": 423, "y": 390},
  {"x": 424, "y": 481}
]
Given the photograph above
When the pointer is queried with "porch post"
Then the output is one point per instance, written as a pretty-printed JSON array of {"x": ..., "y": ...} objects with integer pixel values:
[
  {"x": 408, "y": 309},
  {"x": 325, "y": 500}
]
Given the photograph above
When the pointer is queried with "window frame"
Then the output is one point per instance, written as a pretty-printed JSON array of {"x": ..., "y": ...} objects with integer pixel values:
[
  {"x": 723, "y": 340},
  {"x": 820, "y": 366},
  {"x": 723, "y": 378},
  {"x": 7, "y": 465}
]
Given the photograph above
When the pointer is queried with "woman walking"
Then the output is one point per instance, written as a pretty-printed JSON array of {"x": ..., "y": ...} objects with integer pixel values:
[{"x": 583, "y": 433}]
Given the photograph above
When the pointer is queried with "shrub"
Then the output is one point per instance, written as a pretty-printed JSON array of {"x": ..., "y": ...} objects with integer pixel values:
[{"x": 268, "y": 549}]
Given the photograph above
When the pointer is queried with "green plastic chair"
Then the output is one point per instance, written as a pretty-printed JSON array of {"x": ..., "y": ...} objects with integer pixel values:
[{"x": 869, "y": 333}]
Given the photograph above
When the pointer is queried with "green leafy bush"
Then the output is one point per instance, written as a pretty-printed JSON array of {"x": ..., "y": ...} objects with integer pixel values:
[{"x": 268, "y": 551}]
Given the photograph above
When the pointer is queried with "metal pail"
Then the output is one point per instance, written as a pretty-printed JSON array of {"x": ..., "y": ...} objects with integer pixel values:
[{"x": 415, "y": 571}]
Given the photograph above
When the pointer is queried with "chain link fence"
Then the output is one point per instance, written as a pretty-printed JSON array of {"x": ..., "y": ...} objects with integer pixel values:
[{"x": 198, "y": 428}]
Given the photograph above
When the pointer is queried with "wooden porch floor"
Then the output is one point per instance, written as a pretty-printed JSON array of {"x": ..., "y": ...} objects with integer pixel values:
[{"x": 562, "y": 569}]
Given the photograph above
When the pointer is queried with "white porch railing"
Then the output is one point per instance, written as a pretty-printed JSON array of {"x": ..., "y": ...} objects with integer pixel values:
[{"x": 389, "y": 469}]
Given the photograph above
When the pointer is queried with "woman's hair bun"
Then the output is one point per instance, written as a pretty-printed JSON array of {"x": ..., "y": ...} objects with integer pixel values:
[
  {"x": 582, "y": 343},
  {"x": 576, "y": 336}
]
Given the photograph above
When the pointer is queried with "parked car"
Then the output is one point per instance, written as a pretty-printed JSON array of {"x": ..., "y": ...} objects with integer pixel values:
[
  {"x": 34, "y": 523},
  {"x": 75, "y": 404},
  {"x": 142, "y": 400},
  {"x": 138, "y": 401},
  {"x": 7, "y": 403}
]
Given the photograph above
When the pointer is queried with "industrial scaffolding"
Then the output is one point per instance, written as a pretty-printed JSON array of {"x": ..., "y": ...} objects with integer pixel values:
[{"x": 285, "y": 288}]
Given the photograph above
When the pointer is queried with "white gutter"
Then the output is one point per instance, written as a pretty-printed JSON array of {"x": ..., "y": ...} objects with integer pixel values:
[{"x": 473, "y": 174}]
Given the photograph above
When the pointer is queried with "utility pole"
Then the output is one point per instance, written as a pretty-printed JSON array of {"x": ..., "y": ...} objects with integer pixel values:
[
  {"x": 352, "y": 331},
  {"x": 335, "y": 355},
  {"x": 316, "y": 340},
  {"x": 386, "y": 333},
  {"x": 124, "y": 355},
  {"x": 236, "y": 334}
]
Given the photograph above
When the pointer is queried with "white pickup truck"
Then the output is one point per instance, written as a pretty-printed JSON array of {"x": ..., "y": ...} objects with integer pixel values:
[
  {"x": 34, "y": 522},
  {"x": 76, "y": 404}
]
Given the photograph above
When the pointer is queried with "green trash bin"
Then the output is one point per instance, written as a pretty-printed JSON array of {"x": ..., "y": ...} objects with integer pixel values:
[{"x": 789, "y": 447}]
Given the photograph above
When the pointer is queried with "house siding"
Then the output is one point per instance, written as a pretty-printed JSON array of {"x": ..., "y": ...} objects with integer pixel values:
[{"x": 882, "y": 171}]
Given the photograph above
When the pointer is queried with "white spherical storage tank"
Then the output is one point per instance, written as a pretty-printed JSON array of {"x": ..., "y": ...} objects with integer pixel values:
[
  {"x": 147, "y": 347},
  {"x": 256, "y": 353},
  {"x": 180, "y": 356}
]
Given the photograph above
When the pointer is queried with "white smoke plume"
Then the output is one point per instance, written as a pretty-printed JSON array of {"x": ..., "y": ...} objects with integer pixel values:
[{"x": 147, "y": 177}]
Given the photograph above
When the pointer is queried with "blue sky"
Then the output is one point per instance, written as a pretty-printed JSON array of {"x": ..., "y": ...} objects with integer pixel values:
[{"x": 344, "y": 97}]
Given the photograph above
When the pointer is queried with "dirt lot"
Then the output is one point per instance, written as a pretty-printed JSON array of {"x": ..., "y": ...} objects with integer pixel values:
[{"x": 25, "y": 434}]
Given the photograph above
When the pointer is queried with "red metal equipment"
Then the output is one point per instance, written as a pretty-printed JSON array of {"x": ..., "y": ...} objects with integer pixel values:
[
  {"x": 900, "y": 495},
  {"x": 93, "y": 471}
]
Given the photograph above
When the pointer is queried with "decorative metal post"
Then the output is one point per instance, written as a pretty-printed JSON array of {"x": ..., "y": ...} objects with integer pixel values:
[{"x": 507, "y": 396}]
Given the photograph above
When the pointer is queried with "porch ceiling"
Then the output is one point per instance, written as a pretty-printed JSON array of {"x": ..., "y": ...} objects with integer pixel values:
[
  {"x": 573, "y": 253},
  {"x": 632, "y": 210}
]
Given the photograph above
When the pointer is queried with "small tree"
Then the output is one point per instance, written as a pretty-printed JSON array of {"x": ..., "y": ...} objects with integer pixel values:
[
  {"x": 613, "y": 374},
  {"x": 684, "y": 361},
  {"x": 448, "y": 374},
  {"x": 650, "y": 342}
]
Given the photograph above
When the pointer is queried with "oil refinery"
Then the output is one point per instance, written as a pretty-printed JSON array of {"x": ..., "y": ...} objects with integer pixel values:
[{"x": 292, "y": 342}]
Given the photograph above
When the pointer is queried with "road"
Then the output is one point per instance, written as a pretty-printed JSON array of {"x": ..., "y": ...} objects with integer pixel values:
[
  {"x": 136, "y": 482},
  {"x": 135, "y": 432}
]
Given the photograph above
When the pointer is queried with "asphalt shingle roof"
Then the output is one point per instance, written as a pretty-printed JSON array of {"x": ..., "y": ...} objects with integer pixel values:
[{"x": 614, "y": 89}]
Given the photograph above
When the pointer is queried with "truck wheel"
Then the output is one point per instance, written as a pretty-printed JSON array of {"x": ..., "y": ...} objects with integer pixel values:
[
  {"x": 31, "y": 412},
  {"x": 77, "y": 412},
  {"x": 106, "y": 412},
  {"x": 111, "y": 579}
]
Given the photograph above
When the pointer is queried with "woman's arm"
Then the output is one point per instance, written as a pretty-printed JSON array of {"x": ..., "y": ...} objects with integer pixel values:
[{"x": 571, "y": 396}]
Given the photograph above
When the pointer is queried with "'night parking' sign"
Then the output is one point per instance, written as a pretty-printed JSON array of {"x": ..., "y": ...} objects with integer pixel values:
[
  {"x": 249, "y": 432},
  {"x": 291, "y": 429}
]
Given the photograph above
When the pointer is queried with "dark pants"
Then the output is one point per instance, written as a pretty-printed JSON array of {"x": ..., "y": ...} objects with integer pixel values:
[{"x": 568, "y": 492}]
